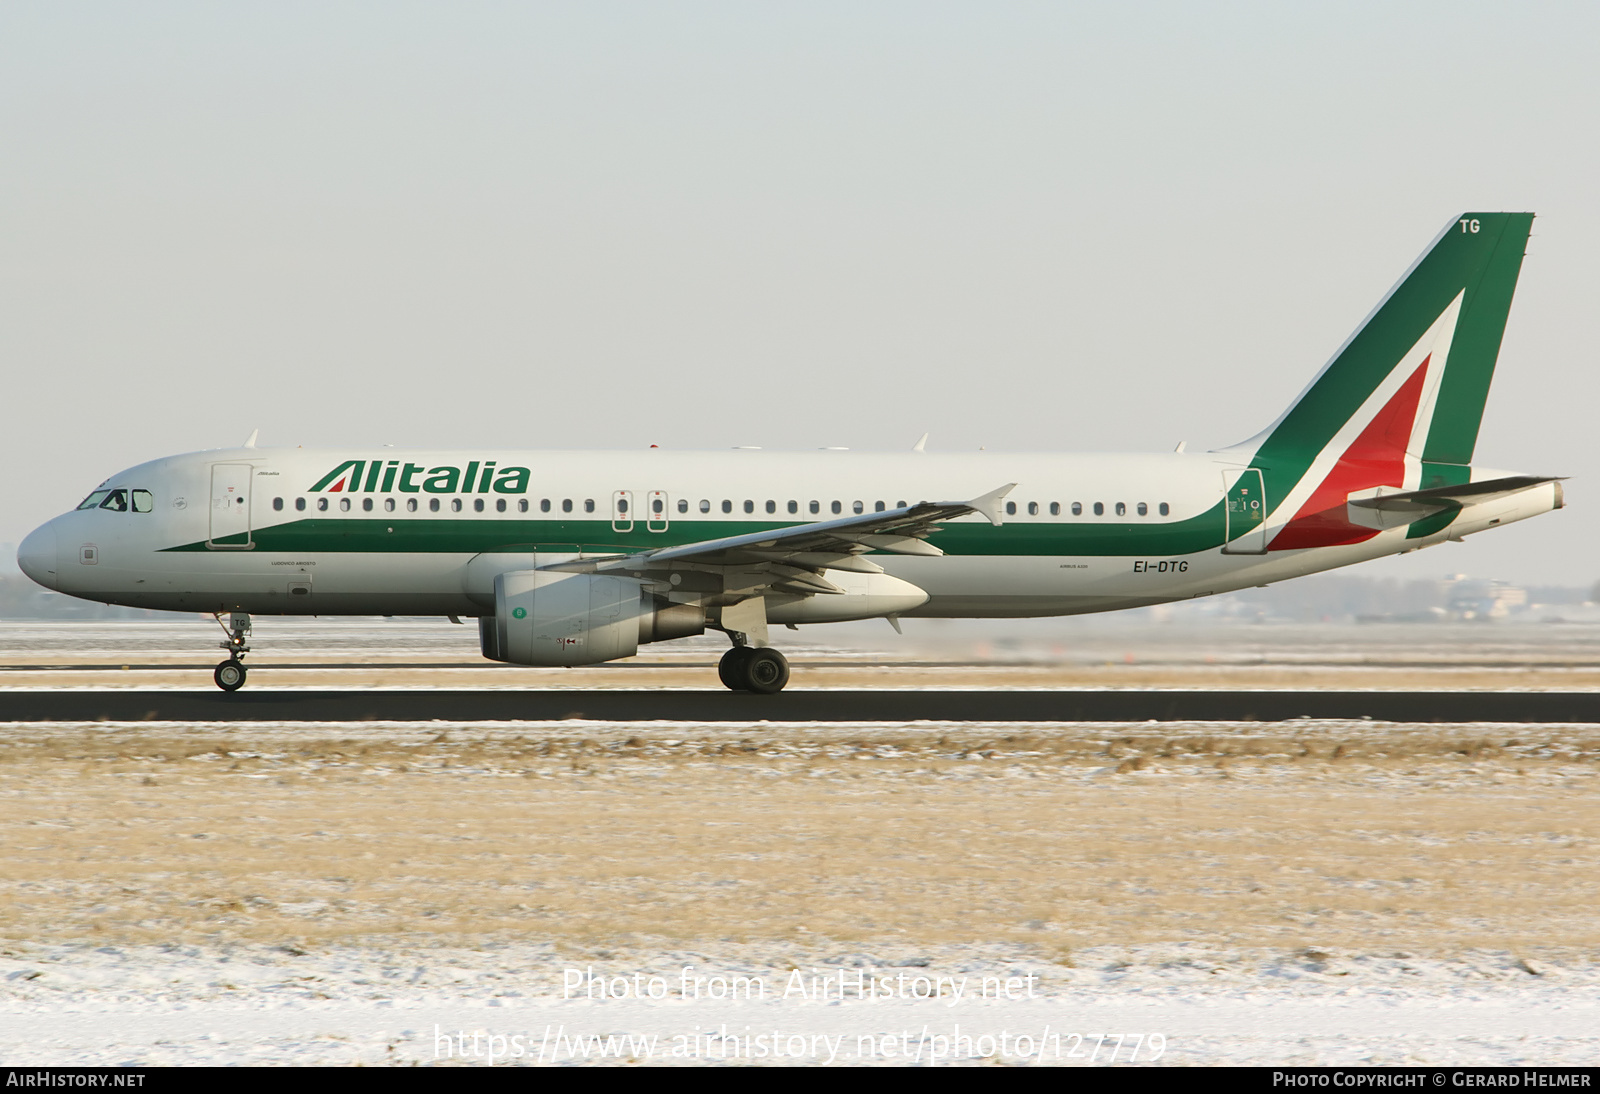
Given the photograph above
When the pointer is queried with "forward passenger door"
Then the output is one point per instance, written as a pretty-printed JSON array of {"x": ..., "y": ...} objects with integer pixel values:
[{"x": 230, "y": 506}]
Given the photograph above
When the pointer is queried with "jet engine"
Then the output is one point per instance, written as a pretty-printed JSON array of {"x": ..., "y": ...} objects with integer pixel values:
[{"x": 543, "y": 617}]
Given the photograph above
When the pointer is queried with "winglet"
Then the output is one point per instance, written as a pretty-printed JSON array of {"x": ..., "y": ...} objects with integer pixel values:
[
  {"x": 989, "y": 504},
  {"x": 251, "y": 443},
  {"x": 922, "y": 445}
]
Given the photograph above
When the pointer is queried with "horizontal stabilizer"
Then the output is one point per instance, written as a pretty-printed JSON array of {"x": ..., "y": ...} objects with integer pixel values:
[{"x": 1424, "y": 502}]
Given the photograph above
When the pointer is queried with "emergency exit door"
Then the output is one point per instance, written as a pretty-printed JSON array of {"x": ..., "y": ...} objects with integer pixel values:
[
  {"x": 622, "y": 511},
  {"x": 656, "y": 518}
]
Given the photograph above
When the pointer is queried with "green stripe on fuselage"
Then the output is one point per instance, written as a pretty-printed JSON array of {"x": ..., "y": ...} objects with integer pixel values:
[{"x": 473, "y": 536}]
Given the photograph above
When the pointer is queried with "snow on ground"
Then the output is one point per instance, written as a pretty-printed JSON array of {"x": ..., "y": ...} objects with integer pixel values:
[{"x": 1168, "y": 1004}]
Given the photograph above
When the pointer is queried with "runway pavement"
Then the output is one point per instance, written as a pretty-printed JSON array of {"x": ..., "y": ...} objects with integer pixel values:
[{"x": 719, "y": 706}]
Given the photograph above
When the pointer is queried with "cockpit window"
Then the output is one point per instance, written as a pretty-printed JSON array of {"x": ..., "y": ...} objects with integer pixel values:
[
  {"x": 143, "y": 501},
  {"x": 93, "y": 500},
  {"x": 116, "y": 501}
]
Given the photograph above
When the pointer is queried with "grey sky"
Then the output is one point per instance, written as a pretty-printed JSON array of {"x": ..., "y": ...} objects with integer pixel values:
[{"x": 1034, "y": 226}]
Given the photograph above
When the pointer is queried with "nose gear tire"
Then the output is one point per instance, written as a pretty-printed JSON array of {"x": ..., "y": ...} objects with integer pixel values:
[{"x": 229, "y": 675}]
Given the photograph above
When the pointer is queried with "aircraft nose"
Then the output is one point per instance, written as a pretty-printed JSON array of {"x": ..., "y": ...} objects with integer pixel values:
[{"x": 37, "y": 555}]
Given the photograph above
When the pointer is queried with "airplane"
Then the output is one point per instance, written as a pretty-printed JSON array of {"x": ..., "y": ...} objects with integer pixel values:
[{"x": 574, "y": 558}]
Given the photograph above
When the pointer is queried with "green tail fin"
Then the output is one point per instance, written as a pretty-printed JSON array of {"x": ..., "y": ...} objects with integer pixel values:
[{"x": 1472, "y": 266}]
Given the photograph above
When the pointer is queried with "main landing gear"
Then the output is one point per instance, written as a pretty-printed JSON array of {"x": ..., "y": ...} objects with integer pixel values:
[
  {"x": 230, "y": 674},
  {"x": 762, "y": 670}
]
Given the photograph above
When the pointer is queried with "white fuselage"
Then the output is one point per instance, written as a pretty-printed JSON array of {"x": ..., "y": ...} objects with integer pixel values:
[{"x": 251, "y": 530}]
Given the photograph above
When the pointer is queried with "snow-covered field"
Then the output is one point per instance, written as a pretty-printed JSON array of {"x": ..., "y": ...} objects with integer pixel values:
[
  {"x": 525, "y": 1004},
  {"x": 398, "y": 892}
]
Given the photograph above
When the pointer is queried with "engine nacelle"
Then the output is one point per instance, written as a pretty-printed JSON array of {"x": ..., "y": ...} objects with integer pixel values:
[{"x": 543, "y": 617}]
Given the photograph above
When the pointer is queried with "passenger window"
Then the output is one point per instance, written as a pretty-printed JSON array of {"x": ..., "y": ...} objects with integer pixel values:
[
  {"x": 683, "y": 505},
  {"x": 588, "y": 505},
  {"x": 455, "y": 505},
  {"x": 299, "y": 505},
  {"x": 772, "y": 506},
  {"x": 544, "y": 505},
  {"x": 93, "y": 500},
  {"x": 499, "y": 505},
  {"x": 816, "y": 507},
  {"x": 1033, "y": 508},
  {"x": 117, "y": 501},
  {"x": 622, "y": 505},
  {"x": 522, "y": 505},
  {"x": 322, "y": 505},
  {"x": 794, "y": 507},
  {"x": 899, "y": 505},
  {"x": 433, "y": 505},
  {"x": 727, "y": 506},
  {"x": 1099, "y": 509},
  {"x": 344, "y": 505},
  {"x": 566, "y": 505},
  {"x": 477, "y": 505},
  {"x": 411, "y": 505},
  {"x": 749, "y": 506},
  {"x": 878, "y": 507},
  {"x": 705, "y": 505},
  {"x": 837, "y": 507},
  {"x": 1144, "y": 510},
  {"x": 1122, "y": 510},
  {"x": 143, "y": 501},
  {"x": 857, "y": 507},
  {"x": 277, "y": 505},
  {"x": 1164, "y": 509},
  {"x": 388, "y": 505},
  {"x": 1077, "y": 508},
  {"x": 657, "y": 506},
  {"x": 1011, "y": 508},
  {"x": 1055, "y": 509},
  {"x": 366, "y": 505}
]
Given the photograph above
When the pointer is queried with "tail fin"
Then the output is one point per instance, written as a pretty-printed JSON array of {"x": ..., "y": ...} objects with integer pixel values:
[{"x": 1407, "y": 389}]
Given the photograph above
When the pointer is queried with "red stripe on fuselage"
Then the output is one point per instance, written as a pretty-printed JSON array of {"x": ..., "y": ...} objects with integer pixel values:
[{"x": 1376, "y": 458}]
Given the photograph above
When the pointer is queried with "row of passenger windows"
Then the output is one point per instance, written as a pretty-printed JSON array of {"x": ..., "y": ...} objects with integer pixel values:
[
  {"x": 434, "y": 505},
  {"x": 1141, "y": 508},
  {"x": 657, "y": 506},
  {"x": 120, "y": 501}
]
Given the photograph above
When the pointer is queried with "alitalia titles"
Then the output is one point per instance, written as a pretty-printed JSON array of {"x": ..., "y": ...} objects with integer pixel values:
[{"x": 389, "y": 476}]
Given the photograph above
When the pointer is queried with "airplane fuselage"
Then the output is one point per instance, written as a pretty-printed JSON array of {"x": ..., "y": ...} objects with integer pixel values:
[{"x": 266, "y": 531}]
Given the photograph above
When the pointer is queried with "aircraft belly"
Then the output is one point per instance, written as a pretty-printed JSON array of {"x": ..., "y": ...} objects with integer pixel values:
[
  {"x": 1013, "y": 585},
  {"x": 313, "y": 584}
]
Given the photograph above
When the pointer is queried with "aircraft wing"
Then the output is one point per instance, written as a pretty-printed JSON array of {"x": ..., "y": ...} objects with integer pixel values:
[{"x": 794, "y": 557}]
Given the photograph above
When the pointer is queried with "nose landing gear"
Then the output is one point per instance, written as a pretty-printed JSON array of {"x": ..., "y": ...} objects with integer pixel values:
[{"x": 230, "y": 674}]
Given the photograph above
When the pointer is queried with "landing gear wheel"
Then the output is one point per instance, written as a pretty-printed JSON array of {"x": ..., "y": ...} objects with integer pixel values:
[
  {"x": 229, "y": 675},
  {"x": 731, "y": 671},
  {"x": 766, "y": 671}
]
